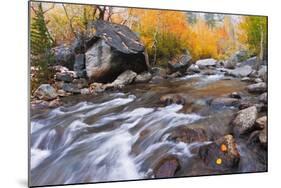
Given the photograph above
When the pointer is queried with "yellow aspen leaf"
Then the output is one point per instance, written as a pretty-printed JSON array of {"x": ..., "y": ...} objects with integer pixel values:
[
  {"x": 223, "y": 148},
  {"x": 219, "y": 161}
]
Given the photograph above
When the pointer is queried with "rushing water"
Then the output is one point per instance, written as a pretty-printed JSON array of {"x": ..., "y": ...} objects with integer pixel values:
[{"x": 121, "y": 136}]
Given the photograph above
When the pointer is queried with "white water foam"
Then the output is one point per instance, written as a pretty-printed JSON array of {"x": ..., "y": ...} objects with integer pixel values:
[{"x": 38, "y": 156}]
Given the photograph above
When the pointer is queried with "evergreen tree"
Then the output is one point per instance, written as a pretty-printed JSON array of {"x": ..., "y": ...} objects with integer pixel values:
[{"x": 40, "y": 46}]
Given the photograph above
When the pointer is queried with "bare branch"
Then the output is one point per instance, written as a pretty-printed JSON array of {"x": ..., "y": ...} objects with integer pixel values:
[
  {"x": 53, "y": 6},
  {"x": 69, "y": 20}
]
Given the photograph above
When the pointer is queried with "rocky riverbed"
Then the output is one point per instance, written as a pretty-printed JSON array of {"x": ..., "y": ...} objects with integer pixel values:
[{"x": 210, "y": 118}]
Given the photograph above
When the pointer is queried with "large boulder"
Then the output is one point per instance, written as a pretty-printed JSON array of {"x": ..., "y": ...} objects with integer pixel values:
[
  {"x": 241, "y": 71},
  {"x": 257, "y": 88},
  {"x": 167, "y": 167},
  {"x": 45, "y": 92},
  {"x": 64, "y": 55},
  {"x": 181, "y": 65},
  {"x": 222, "y": 154},
  {"x": 245, "y": 120},
  {"x": 79, "y": 65},
  {"x": 205, "y": 63},
  {"x": 116, "y": 50}
]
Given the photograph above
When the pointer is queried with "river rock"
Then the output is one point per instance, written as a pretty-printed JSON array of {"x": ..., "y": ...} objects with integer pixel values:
[
  {"x": 241, "y": 71},
  {"x": 263, "y": 137},
  {"x": 261, "y": 122},
  {"x": 62, "y": 93},
  {"x": 143, "y": 77},
  {"x": 225, "y": 101},
  {"x": 116, "y": 50},
  {"x": 239, "y": 56},
  {"x": 203, "y": 63},
  {"x": 209, "y": 72},
  {"x": 158, "y": 71},
  {"x": 229, "y": 64},
  {"x": 156, "y": 79},
  {"x": 71, "y": 88},
  {"x": 64, "y": 55},
  {"x": 257, "y": 88},
  {"x": 172, "y": 98},
  {"x": 59, "y": 68},
  {"x": 167, "y": 167},
  {"x": 252, "y": 62},
  {"x": 188, "y": 135},
  {"x": 64, "y": 76},
  {"x": 193, "y": 69},
  {"x": 181, "y": 65},
  {"x": 235, "y": 95},
  {"x": 55, "y": 103},
  {"x": 244, "y": 121},
  {"x": 222, "y": 154},
  {"x": 263, "y": 98},
  {"x": 80, "y": 83},
  {"x": 258, "y": 80},
  {"x": 97, "y": 87},
  {"x": 174, "y": 75},
  {"x": 246, "y": 79},
  {"x": 262, "y": 73},
  {"x": 85, "y": 91},
  {"x": 45, "y": 92},
  {"x": 123, "y": 79}
]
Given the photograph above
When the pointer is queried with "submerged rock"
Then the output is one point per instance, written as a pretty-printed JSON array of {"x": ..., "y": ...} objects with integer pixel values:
[
  {"x": 244, "y": 121},
  {"x": 167, "y": 167},
  {"x": 45, "y": 92},
  {"x": 257, "y": 88},
  {"x": 225, "y": 101},
  {"x": 172, "y": 98},
  {"x": 188, "y": 135},
  {"x": 222, "y": 154}
]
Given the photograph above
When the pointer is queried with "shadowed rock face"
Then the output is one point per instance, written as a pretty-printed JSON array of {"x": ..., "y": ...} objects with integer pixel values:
[{"x": 118, "y": 49}]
